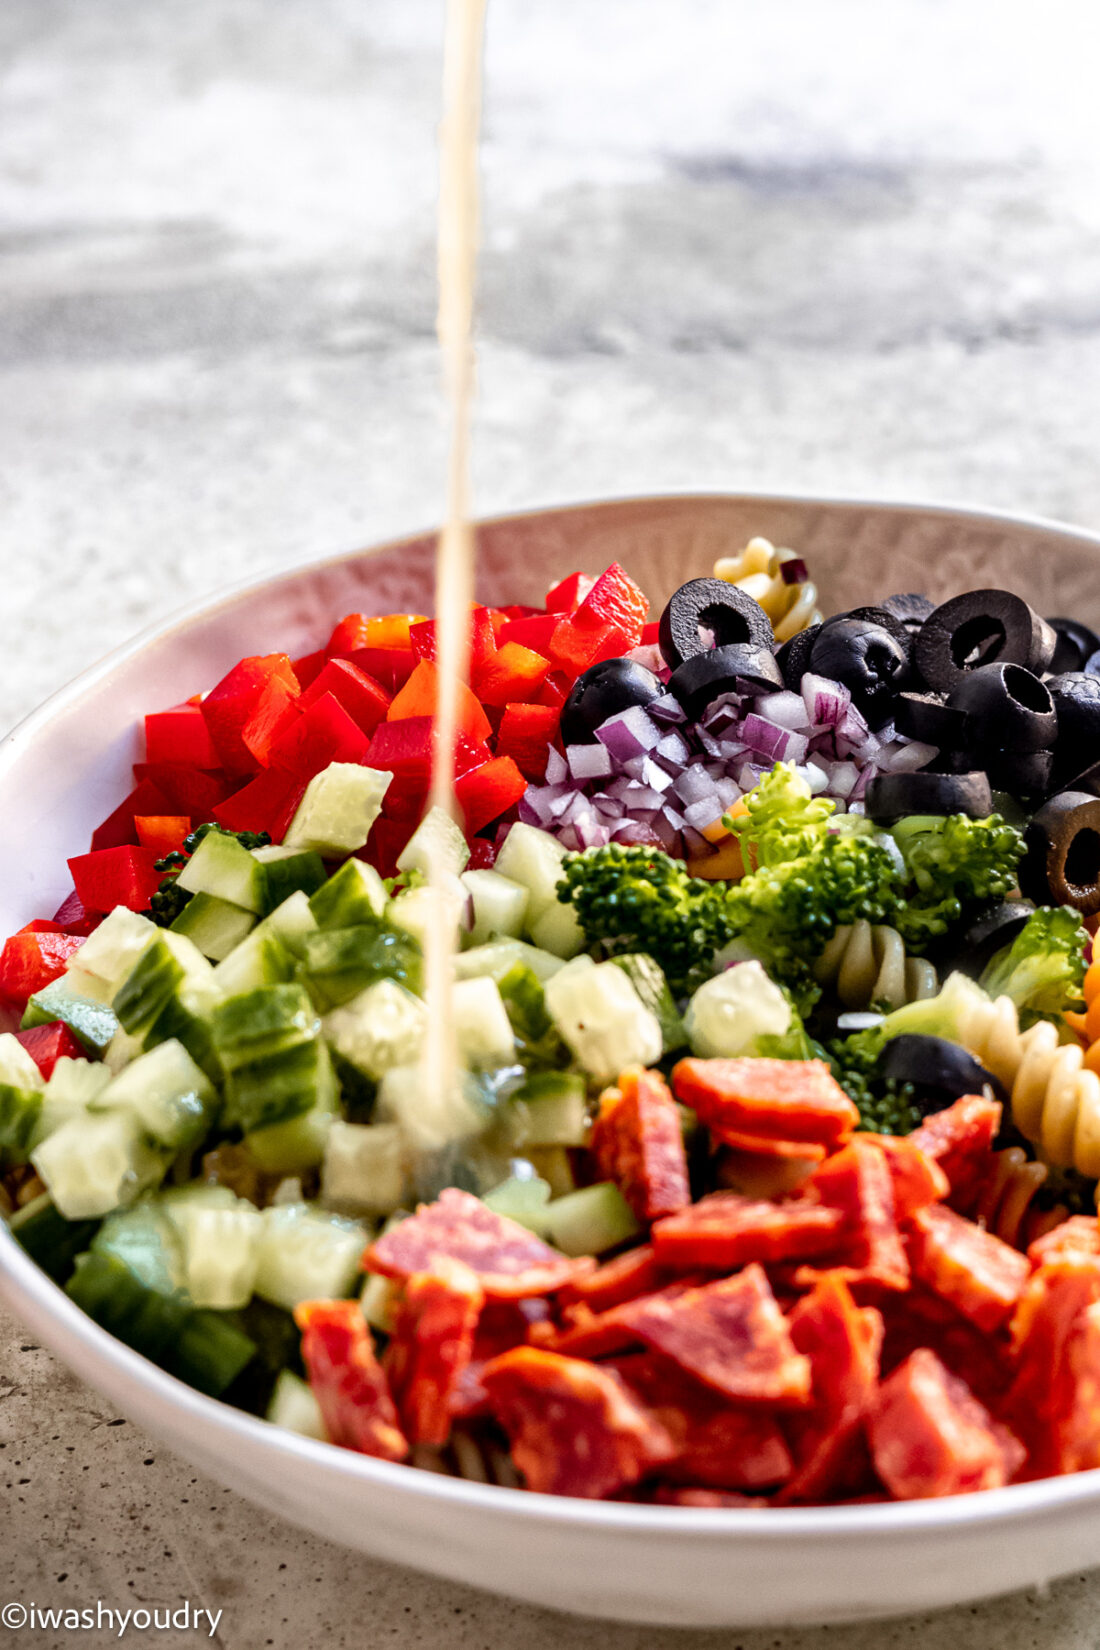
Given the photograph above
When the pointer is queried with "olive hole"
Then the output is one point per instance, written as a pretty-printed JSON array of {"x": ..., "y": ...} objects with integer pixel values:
[
  {"x": 978, "y": 642},
  {"x": 721, "y": 626},
  {"x": 1083, "y": 860},
  {"x": 1027, "y": 690}
]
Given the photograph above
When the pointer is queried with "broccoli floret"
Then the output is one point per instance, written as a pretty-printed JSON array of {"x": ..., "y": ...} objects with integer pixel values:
[
  {"x": 170, "y": 899},
  {"x": 952, "y": 866},
  {"x": 639, "y": 899},
  {"x": 885, "y": 1106},
  {"x": 1043, "y": 970},
  {"x": 784, "y": 821}
]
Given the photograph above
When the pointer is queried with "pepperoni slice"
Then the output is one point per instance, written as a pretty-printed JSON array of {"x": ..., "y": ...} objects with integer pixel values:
[
  {"x": 717, "y": 1444},
  {"x": 843, "y": 1343},
  {"x": 959, "y": 1139},
  {"x": 1075, "y": 1434},
  {"x": 979, "y": 1274},
  {"x": 347, "y": 1380},
  {"x": 726, "y": 1230},
  {"x": 730, "y": 1335},
  {"x": 588, "y": 1334},
  {"x": 573, "y": 1429},
  {"x": 917, "y": 1178},
  {"x": 638, "y": 1143},
  {"x": 633, "y": 1273},
  {"x": 1053, "y": 1392},
  {"x": 431, "y": 1346},
  {"x": 857, "y": 1180},
  {"x": 930, "y": 1436},
  {"x": 757, "y": 1100},
  {"x": 510, "y": 1261},
  {"x": 1079, "y": 1235}
]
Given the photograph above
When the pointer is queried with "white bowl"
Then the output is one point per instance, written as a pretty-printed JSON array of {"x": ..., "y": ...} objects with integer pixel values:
[{"x": 67, "y": 765}]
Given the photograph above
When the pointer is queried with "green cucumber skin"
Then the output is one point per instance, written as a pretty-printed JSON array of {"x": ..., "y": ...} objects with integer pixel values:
[
  {"x": 338, "y": 963},
  {"x": 51, "y": 1241},
  {"x": 93, "y": 1024}
]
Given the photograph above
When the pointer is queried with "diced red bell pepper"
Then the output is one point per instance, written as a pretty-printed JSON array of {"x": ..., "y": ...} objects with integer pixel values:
[
  {"x": 485, "y": 793},
  {"x": 162, "y": 833},
  {"x": 930, "y": 1436},
  {"x": 323, "y": 734},
  {"x": 364, "y": 699},
  {"x": 420, "y": 697},
  {"x": 730, "y": 1335},
  {"x": 555, "y": 690},
  {"x": 573, "y": 1429},
  {"x": 387, "y": 840},
  {"x": 431, "y": 1346},
  {"x": 405, "y": 749},
  {"x": 651, "y": 634},
  {"x": 309, "y": 668},
  {"x": 118, "y": 829},
  {"x": 390, "y": 667},
  {"x": 48, "y": 1044},
  {"x": 42, "y": 925},
  {"x": 483, "y": 641},
  {"x": 510, "y": 1261},
  {"x": 843, "y": 1343},
  {"x": 347, "y": 1380},
  {"x": 575, "y": 648},
  {"x": 72, "y": 918},
  {"x": 638, "y": 1143},
  {"x": 534, "y": 632},
  {"x": 566, "y": 596},
  {"x": 267, "y": 803},
  {"x": 272, "y": 720},
  {"x": 30, "y": 961},
  {"x": 380, "y": 647},
  {"x": 184, "y": 790},
  {"x": 857, "y": 1181},
  {"x": 615, "y": 600},
  {"x": 180, "y": 735},
  {"x": 115, "y": 876},
  {"x": 725, "y": 1231},
  {"x": 229, "y": 705},
  {"x": 959, "y": 1139},
  {"x": 788, "y": 1100},
  {"x": 514, "y": 674},
  {"x": 526, "y": 734},
  {"x": 982, "y": 1277}
]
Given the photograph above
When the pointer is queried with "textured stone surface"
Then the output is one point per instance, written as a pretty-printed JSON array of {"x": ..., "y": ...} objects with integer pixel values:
[{"x": 841, "y": 248}]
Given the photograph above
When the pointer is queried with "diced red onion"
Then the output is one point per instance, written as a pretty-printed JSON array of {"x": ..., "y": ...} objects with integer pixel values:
[
  {"x": 815, "y": 777},
  {"x": 710, "y": 745},
  {"x": 729, "y": 791},
  {"x": 666, "y": 710},
  {"x": 589, "y": 761},
  {"x": 694, "y": 785},
  {"x": 905, "y": 757},
  {"x": 768, "y": 739},
  {"x": 654, "y": 775},
  {"x": 701, "y": 814},
  {"x": 826, "y": 701},
  {"x": 787, "y": 709},
  {"x": 557, "y": 769},
  {"x": 794, "y": 571},
  {"x": 648, "y": 655},
  {"x": 750, "y": 776},
  {"x": 842, "y": 780},
  {"x": 672, "y": 747},
  {"x": 629, "y": 733}
]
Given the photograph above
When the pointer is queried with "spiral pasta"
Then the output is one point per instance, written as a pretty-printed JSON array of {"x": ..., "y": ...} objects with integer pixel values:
[
  {"x": 1006, "y": 1204},
  {"x": 756, "y": 571},
  {"x": 1088, "y": 1023},
  {"x": 868, "y": 965}
]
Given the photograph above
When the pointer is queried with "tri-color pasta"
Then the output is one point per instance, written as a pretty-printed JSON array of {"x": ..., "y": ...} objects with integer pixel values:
[
  {"x": 758, "y": 571},
  {"x": 868, "y": 965}
]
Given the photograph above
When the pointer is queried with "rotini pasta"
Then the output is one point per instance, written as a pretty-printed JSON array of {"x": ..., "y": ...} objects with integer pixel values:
[
  {"x": 867, "y": 965},
  {"x": 757, "y": 571},
  {"x": 1087, "y": 1025},
  {"x": 1006, "y": 1204}
]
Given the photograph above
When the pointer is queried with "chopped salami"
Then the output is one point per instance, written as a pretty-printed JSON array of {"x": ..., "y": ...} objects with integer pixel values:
[
  {"x": 979, "y": 1274},
  {"x": 667, "y": 1495},
  {"x": 930, "y": 1436},
  {"x": 637, "y": 1142},
  {"x": 757, "y": 1100},
  {"x": 857, "y": 1180},
  {"x": 959, "y": 1139},
  {"x": 917, "y": 1178},
  {"x": 633, "y": 1273},
  {"x": 587, "y": 1334},
  {"x": 725, "y": 1231},
  {"x": 1079, "y": 1235},
  {"x": 730, "y": 1335},
  {"x": 573, "y": 1429},
  {"x": 717, "y": 1443},
  {"x": 347, "y": 1380},
  {"x": 1074, "y": 1444},
  {"x": 843, "y": 1343},
  {"x": 510, "y": 1261},
  {"x": 1052, "y": 1361},
  {"x": 431, "y": 1346}
]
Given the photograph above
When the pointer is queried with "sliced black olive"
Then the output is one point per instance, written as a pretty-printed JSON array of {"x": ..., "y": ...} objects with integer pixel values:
[
  {"x": 991, "y": 933},
  {"x": 957, "y": 761},
  {"x": 1007, "y": 708},
  {"x": 709, "y": 613},
  {"x": 910, "y": 609},
  {"x": 603, "y": 691},
  {"x": 891, "y": 796},
  {"x": 1076, "y": 698},
  {"x": 1074, "y": 647},
  {"x": 1061, "y": 863},
  {"x": 793, "y": 657},
  {"x": 1022, "y": 773},
  {"x": 928, "y": 717},
  {"x": 869, "y": 662},
  {"x": 1092, "y": 666},
  {"x": 880, "y": 616},
  {"x": 699, "y": 681},
  {"x": 1089, "y": 781},
  {"x": 940, "y": 1072},
  {"x": 984, "y": 627}
]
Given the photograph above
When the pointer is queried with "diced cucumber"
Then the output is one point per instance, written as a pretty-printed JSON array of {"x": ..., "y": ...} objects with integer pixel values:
[
  {"x": 365, "y": 1170},
  {"x": 293, "y": 1147},
  {"x": 220, "y": 1251},
  {"x": 50, "y": 1240},
  {"x": 500, "y": 956},
  {"x": 168, "y": 1095},
  {"x": 111, "y": 951},
  {"x": 383, "y": 1026},
  {"x": 222, "y": 867},
  {"x": 354, "y": 895},
  {"x": 379, "y": 1301},
  {"x": 419, "y": 910},
  {"x": 91, "y": 1023},
  {"x": 186, "y": 1019},
  {"x": 261, "y": 1022},
  {"x": 21, "y": 1089},
  {"x": 292, "y": 922},
  {"x": 648, "y": 979},
  {"x": 555, "y": 1109},
  {"x": 79, "y": 983},
  {"x": 340, "y": 962},
  {"x": 276, "y": 1087},
  {"x": 437, "y": 844},
  {"x": 429, "y": 1120},
  {"x": 728, "y": 1013},
  {"x": 214, "y": 925},
  {"x": 122, "y": 1051},
  {"x": 288, "y": 871},
  {"x": 532, "y": 858},
  {"x": 145, "y": 1241},
  {"x": 98, "y": 1163},
  {"x": 537, "y": 1040},
  {"x": 72, "y": 1087},
  {"x": 604, "y": 1021},
  {"x": 483, "y": 1030},
  {"x": 591, "y": 1220},
  {"x": 294, "y": 1407},
  {"x": 499, "y": 905},
  {"x": 557, "y": 930},
  {"x": 339, "y": 807},
  {"x": 260, "y": 959},
  {"x": 552, "y": 1164},
  {"x": 156, "y": 976},
  {"x": 525, "y": 1200},
  {"x": 306, "y": 1254}
]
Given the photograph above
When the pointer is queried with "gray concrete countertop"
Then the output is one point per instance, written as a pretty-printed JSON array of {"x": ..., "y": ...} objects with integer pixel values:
[{"x": 844, "y": 248}]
